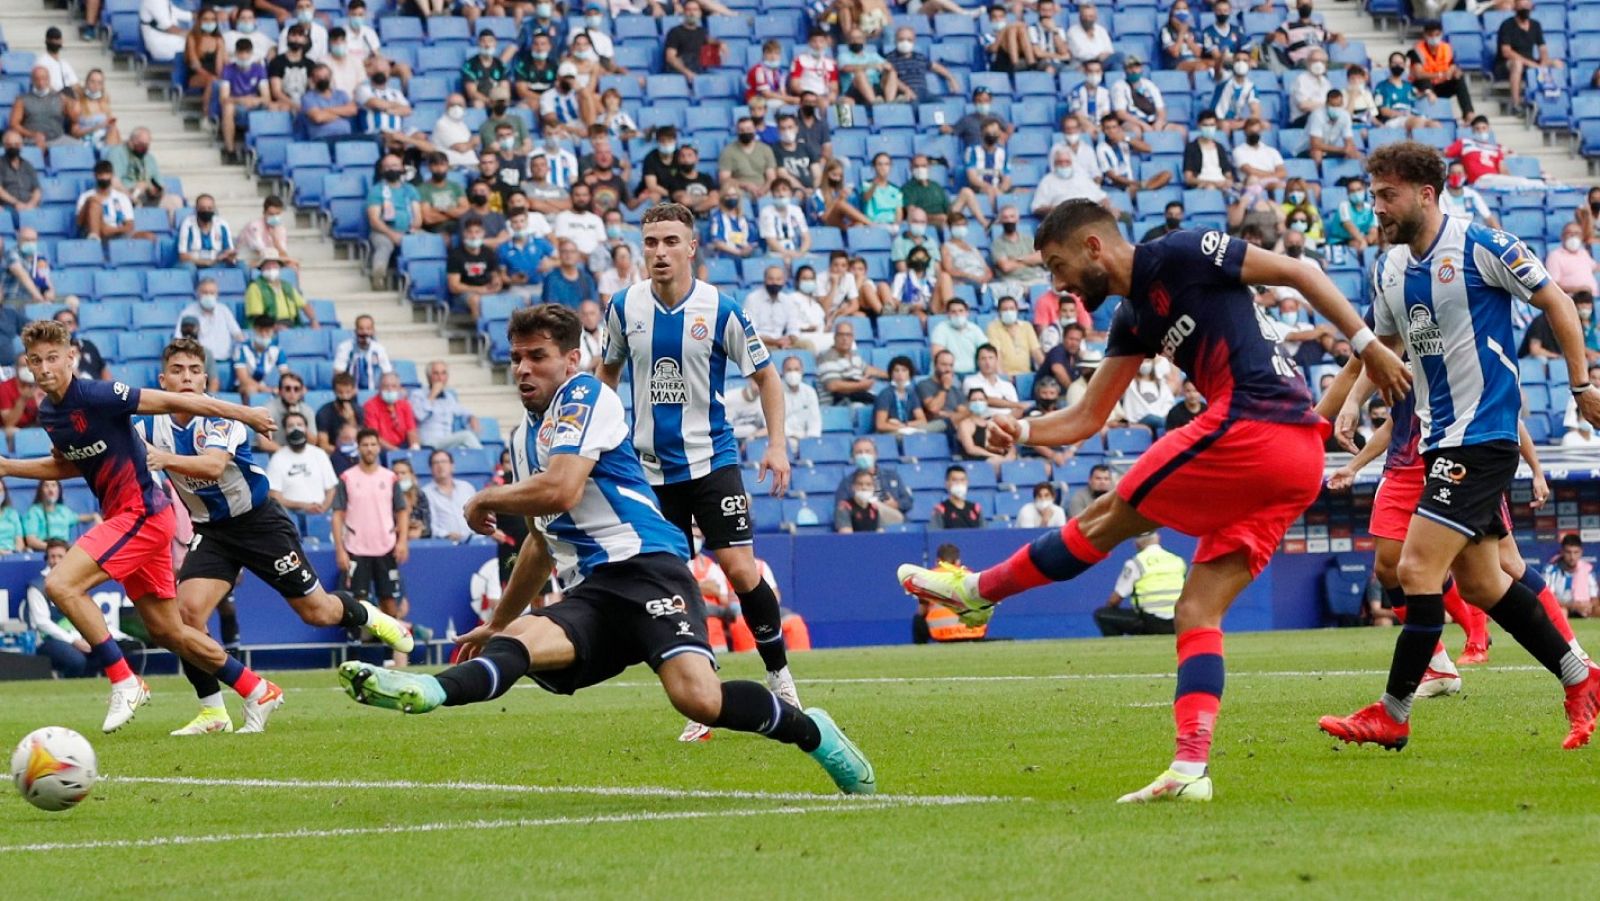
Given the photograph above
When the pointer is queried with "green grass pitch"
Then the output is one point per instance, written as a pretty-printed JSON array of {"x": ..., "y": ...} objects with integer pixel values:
[{"x": 998, "y": 766}]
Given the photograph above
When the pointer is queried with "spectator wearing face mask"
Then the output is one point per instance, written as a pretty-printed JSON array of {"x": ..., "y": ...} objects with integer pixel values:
[
  {"x": 802, "y": 412},
  {"x": 1139, "y": 102},
  {"x": 1519, "y": 46},
  {"x": 898, "y": 411},
  {"x": 1433, "y": 67},
  {"x": 1331, "y": 130},
  {"x": 1572, "y": 267},
  {"x": 300, "y": 474},
  {"x": 257, "y": 363},
  {"x": 1301, "y": 35},
  {"x": 1397, "y": 97},
  {"x": 394, "y": 210},
  {"x": 327, "y": 113},
  {"x": 271, "y": 296},
  {"x": 290, "y": 399},
  {"x": 452, "y": 137},
  {"x": 1300, "y": 211},
  {"x": 1310, "y": 89},
  {"x": 859, "y": 512},
  {"x": 917, "y": 288},
  {"x": 1148, "y": 398},
  {"x": 955, "y": 511},
  {"x": 1206, "y": 163},
  {"x": 1224, "y": 37},
  {"x": 784, "y": 232},
  {"x": 389, "y": 413},
  {"x": 164, "y": 27},
  {"x": 1014, "y": 340},
  {"x": 913, "y": 67},
  {"x": 1189, "y": 409},
  {"x": 1044, "y": 512},
  {"x": 1485, "y": 160},
  {"x": 1355, "y": 224},
  {"x": 204, "y": 238},
  {"x": 1074, "y": 174},
  {"x": 893, "y": 499},
  {"x": 215, "y": 326},
  {"x": 772, "y": 312},
  {"x": 1461, "y": 199},
  {"x": 729, "y": 231},
  {"x": 266, "y": 232},
  {"x": 362, "y": 355}
]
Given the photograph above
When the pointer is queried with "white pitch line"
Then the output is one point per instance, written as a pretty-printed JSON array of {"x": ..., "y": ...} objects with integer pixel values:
[
  {"x": 612, "y": 791},
  {"x": 178, "y": 840}
]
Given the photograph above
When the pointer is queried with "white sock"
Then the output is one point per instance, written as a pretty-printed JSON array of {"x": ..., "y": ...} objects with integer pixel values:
[
  {"x": 212, "y": 700},
  {"x": 257, "y": 692},
  {"x": 1189, "y": 767},
  {"x": 1578, "y": 649},
  {"x": 971, "y": 584},
  {"x": 124, "y": 683},
  {"x": 1399, "y": 708}
]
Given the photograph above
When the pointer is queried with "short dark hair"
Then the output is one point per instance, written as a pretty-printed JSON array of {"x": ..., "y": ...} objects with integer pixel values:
[
  {"x": 343, "y": 378},
  {"x": 263, "y": 321},
  {"x": 1068, "y": 218},
  {"x": 552, "y": 320},
  {"x": 905, "y": 361},
  {"x": 954, "y": 468},
  {"x": 104, "y": 167},
  {"x": 669, "y": 212},
  {"x": 1046, "y": 485},
  {"x": 336, "y": 33},
  {"x": 183, "y": 346},
  {"x": 985, "y": 347},
  {"x": 1073, "y": 327},
  {"x": 243, "y": 45},
  {"x": 1571, "y": 539},
  {"x": 957, "y": 300},
  {"x": 295, "y": 414},
  {"x": 362, "y": 434},
  {"x": 1411, "y": 162},
  {"x": 1099, "y": 468},
  {"x": 51, "y": 543},
  {"x": 948, "y": 553}
]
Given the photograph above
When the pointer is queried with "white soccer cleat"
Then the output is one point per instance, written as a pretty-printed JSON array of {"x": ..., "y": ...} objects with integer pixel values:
[
  {"x": 127, "y": 697},
  {"x": 781, "y": 683},
  {"x": 1436, "y": 684},
  {"x": 1172, "y": 786},
  {"x": 257, "y": 711},
  {"x": 693, "y": 731},
  {"x": 208, "y": 721}
]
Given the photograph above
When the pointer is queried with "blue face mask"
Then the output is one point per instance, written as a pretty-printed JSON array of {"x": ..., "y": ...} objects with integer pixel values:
[
  {"x": 865, "y": 461},
  {"x": 28, "y": 248},
  {"x": 959, "y": 232},
  {"x": 978, "y": 408},
  {"x": 1359, "y": 198}
]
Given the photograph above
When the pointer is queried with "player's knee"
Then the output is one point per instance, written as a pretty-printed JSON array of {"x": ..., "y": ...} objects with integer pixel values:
[
  {"x": 59, "y": 585},
  {"x": 1387, "y": 570},
  {"x": 1417, "y": 575}
]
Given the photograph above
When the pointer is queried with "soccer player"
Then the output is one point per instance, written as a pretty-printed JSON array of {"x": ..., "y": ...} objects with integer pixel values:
[
  {"x": 237, "y": 526},
  {"x": 1444, "y": 292},
  {"x": 90, "y": 424},
  {"x": 1237, "y": 476},
  {"x": 629, "y": 595},
  {"x": 679, "y": 336}
]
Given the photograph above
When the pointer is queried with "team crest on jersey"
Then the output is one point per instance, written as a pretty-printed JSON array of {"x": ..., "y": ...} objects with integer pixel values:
[
  {"x": 698, "y": 331},
  {"x": 1426, "y": 339},
  {"x": 667, "y": 385},
  {"x": 1447, "y": 271},
  {"x": 80, "y": 421}
]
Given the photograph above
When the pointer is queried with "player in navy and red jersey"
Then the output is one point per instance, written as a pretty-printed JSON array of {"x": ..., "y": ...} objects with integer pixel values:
[
  {"x": 1236, "y": 477},
  {"x": 90, "y": 424}
]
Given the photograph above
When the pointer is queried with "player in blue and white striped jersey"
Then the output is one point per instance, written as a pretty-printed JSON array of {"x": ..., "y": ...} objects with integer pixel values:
[
  {"x": 1444, "y": 293},
  {"x": 679, "y": 337},
  {"x": 237, "y": 526},
  {"x": 629, "y": 595}
]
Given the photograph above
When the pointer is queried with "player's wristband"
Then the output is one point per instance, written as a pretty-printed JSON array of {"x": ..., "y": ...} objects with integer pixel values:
[
  {"x": 1023, "y": 428},
  {"x": 1360, "y": 340},
  {"x": 1584, "y": 388}
]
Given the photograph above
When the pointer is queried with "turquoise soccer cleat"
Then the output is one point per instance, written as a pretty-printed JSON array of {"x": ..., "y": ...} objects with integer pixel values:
[
  {"x": 846, "y": 765},
  {"x": 379, "y": 687}
]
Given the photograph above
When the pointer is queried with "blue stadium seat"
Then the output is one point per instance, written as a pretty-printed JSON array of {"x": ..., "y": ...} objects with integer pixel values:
[
  {"x": 135, "y": 346},
  {"x": 32, "y": 443},
  {"x": 114, "y": 316},
  {"x": 830, "y": 448},
  {"x": 1024, "y": 473},
  {"x": 170, "y": 283},
  {"x": 79, "y": 254},
  {"x": 926, "y": 447},
  {"x": 157, "y": 314},
  {"x": 1128, "y": 442},
  {"x": 837, "y": 419}
]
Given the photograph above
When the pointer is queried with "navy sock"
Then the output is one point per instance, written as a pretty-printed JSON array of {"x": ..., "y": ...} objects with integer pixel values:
[
  {"x": 1534, "y": 580},
  {"x": 228, "y": 619},
  {"x": 1414, "y": 648},
  {"x": 205, "y": 684},
  {"x": 1397, "y": 599},
  {"x": 487, "y": 676},
  {"x": 1521, "y": 614},
  {"x": 750, "y": 707},
  {"x": 762, "y": 614}
]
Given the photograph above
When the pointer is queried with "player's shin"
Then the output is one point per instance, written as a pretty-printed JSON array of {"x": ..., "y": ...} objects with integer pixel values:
[
  {"x": 1201, "y": 674},
  {"x": 762, "y": 613},
  {"x": 1552, "y": 607},
  {"x": 107, "y": 656},
  {"x": 1055, "y": 556},
  {"x": 1520, "y": 614},
  {"x": 1412, "y": 650},
  {"x": 486, "y": 676},
  {"x": 1397, "y": 602},
  {"x": 751, "y": 707},
  {"x": 241, "y": 679}
]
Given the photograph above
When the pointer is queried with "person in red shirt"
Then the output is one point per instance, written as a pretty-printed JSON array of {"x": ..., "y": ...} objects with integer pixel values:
[
  {"x": 767, "y": 77},
  {"x": 19, "y": 402},
  {"x": 1485, "y": 160},
  {"x": 389, "y": 413}
]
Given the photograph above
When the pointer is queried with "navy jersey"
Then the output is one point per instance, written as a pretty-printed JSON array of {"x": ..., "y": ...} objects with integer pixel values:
[
  {"x": 92, "y": 427},
  {"x": 1189, "y": 303}
]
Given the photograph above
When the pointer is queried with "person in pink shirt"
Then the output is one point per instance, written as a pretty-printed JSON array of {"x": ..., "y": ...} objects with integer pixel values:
[
  {"x": 1572, "y": 266},
  {"x": 372, "y": 530},
  {"x": 267, "y": 233}
]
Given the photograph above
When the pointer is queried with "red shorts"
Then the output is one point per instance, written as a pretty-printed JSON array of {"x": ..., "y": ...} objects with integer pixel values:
[
  {"x": 1236, "y": 485},
  {"x": 136, "y": 550},
  {"x": 1395, "y": 503}
]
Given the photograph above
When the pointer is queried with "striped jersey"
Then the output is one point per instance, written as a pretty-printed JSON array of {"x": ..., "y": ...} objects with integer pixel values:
[
  {"x": 617, "y": 518},
  {"x": 1453, "y": 309},
  {"x": 243, "y": 486},
  {"x": 678, "y": 358}
]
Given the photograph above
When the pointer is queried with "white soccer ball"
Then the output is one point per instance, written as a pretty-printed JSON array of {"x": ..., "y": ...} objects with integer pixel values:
[{"x": 54, "y": 768}]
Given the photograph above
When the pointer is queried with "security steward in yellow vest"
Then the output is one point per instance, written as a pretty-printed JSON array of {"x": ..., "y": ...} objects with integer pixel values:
[
  {"x": 1152, "y": 581},
  {"x": 937, "y": 623}
]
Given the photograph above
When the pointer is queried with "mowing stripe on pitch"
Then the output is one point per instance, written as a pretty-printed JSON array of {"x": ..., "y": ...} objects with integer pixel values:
[
  {"x": 461, "y": 825},
  {"x": 611, "y": 791}
]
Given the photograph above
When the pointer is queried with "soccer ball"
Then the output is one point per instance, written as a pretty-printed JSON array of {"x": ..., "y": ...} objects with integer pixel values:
[{"x": 54, "y": 768}]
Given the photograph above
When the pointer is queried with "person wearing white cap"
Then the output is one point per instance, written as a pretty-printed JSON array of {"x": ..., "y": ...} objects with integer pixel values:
[
  {"x": 563, "y": 108},
  {"x": 19, "y": 403}
]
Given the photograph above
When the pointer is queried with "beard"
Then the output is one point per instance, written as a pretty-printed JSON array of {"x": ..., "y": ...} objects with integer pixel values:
[
  {"x": 1095, "y": 287},
  {"x": 1406, "y": 228}
]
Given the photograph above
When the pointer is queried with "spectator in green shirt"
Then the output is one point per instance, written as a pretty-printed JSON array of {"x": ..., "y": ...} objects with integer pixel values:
[
  {"x": 923, "y": 192},
  {"x": 11, "y": 531},
  {"x": 49, "y": 518},
  {"x": 881, "y": 201}
]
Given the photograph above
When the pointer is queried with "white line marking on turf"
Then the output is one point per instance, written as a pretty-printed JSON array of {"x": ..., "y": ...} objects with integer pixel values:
[
  {"x": 613, "y": 791},
  {"x": 175, "y": 840}
]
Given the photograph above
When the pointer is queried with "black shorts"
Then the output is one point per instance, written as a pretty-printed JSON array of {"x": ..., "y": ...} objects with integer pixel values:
[
  {"x": 646, "y": 609},
  {"x": 264, "y": 541},
  {"x": 717, "y": 502},
  {"x": 1463, "y": 487},
  {"x": 373, "y": 578}
]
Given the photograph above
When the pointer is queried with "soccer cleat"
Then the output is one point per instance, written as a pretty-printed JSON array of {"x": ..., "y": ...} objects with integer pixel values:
[
  {"x": 781, "y": 683},
  {"x": 388, "y": 630},
  {"x": 845, "y": 763},
  {"x": 1172, "y": 786},
  {"x": 1370, "y": 724},
  {"x": 257, "y": 711},
  {"x": 1473, "y": 654},
  {"x": 1436, "y": 684},
  {"x": 127, "y": 697},
  {"x": 947, "y": 589},
  {"x": 379, "y": 687},
  {"x": 693, "y": 731},
  {"x": 1583, "y": 704},
  {"x": 207, "y": 721}
]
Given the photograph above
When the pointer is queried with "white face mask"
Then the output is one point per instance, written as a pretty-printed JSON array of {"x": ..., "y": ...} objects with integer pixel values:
[
  {"x": 1094, "y": 79},
  {"x": 793, "y": 377},
  {"x": 1318, "y": 67},
  {"x": 864, "y": 498},
  {"x": 1008, "y": 317},
  {"x": 456, "y": 112},
  {"x": 1146, "y": 368},
  {"x": 905, "y": 46},
  {"x": 1241, "y": 68},
  {"x": 1042, "y": 504},
  {"x": 1572, "y": 244},
  {"x": 959, "y": 491},
  {"x": 270, "y": 275},
  {"x": 920, "y": 173},
  {"x": 958, "y": 320}
]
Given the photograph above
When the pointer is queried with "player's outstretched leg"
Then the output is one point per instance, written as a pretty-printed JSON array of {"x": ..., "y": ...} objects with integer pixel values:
[
  {"x": 341, "y": 608},
  {"x": 759, "y": 605}
]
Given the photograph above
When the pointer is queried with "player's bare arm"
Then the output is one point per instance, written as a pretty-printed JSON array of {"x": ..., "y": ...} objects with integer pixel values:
[
  {"x": 152, "y": 400},
  {"x": 1562, "y": 314},
  {"x": 1337, "y": 398},
  {"x": 1075, "y": 423},
  {"x": 1345, "y": 475},
  {"x": 1262, "y": 267},
  {"x": 402, "y": 536},
  {"x": 1541, "y": 487},
  {"x": 776, "y": 459},
  {"x": 207, "y": 465},
  {"x": 51, "y": 468},
  {"x": 556, "y": 490},
  {"x": 609, "y": 373},
  {"x": 528, "y": 575}
]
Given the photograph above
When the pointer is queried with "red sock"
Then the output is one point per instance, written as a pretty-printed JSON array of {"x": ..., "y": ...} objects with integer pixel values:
[
  {"x": 1469, "y": 618},
  {"x": 1553, "y": 609},
  {"x": 119, "y": 671},
  {"x": 1199, "y": 695},
  {"x": 1052, "y": 557}
]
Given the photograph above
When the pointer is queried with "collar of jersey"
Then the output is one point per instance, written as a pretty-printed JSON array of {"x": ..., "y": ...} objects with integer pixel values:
[
  {"x": 682, "y": 301},
  {"x": 1444, "y": 223}
]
